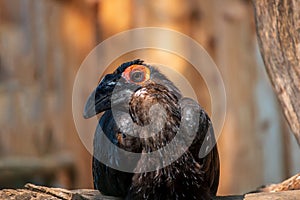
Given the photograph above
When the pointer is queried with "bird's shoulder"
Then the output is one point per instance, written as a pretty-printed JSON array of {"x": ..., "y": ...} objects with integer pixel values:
[{"x": 194, "y": 119}]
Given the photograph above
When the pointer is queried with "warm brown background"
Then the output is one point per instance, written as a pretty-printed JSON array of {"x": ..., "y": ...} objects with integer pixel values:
[{"x": 43, "y": 43}]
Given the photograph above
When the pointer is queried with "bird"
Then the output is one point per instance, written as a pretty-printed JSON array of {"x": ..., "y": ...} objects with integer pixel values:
[{"x": 143, "y": 113}]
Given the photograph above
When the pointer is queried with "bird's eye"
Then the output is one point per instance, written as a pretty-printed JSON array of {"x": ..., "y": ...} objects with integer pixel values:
[{"x": 137, "y": 74}]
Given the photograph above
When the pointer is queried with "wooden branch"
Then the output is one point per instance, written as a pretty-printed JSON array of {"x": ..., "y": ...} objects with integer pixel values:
[
  {"x": 278, "y": 31},
  {"x": 55, "y": 192},
  {"x": 292, "y": 183},
  {"x": 293, "y": 194},
  {"x": 40, "y": 192}
]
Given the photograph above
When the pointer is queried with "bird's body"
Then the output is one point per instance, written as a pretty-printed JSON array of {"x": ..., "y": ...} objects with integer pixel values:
[{"x": 145, "y": 115}]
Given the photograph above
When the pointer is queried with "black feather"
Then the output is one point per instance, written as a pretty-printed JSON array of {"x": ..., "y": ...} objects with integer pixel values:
[{"x": 189, "y": 177}]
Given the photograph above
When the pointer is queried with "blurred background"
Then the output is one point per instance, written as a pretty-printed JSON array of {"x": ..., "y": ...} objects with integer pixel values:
[{"x": 43, "y": 43}]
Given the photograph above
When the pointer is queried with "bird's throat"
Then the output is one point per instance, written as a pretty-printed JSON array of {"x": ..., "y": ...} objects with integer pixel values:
[{"x": 156, "y": 111}]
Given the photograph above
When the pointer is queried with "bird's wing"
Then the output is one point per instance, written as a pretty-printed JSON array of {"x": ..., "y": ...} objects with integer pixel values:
[
  {"x": 203, "y": 148},
  {"x": 108, "y": 159}
]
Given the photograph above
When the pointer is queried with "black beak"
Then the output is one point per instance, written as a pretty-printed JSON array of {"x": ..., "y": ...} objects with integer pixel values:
[{"x": 100, "y": 99}]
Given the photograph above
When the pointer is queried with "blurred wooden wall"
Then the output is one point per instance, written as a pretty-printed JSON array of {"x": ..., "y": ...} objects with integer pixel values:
[{"x": 42, "y": 44}]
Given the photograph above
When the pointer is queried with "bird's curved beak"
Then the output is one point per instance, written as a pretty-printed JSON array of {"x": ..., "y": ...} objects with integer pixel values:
[{"x": 100, "y": 99}]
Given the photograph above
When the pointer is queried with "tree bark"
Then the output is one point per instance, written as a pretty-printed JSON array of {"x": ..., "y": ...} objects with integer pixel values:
[{"x": 278, "y": 31}]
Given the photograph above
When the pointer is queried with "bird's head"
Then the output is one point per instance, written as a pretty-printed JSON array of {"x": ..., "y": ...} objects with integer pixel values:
[{"x": 131, "y": 79}]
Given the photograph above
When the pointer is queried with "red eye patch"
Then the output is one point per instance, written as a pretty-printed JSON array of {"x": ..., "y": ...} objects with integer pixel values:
[{"x": 137, "y": 74}]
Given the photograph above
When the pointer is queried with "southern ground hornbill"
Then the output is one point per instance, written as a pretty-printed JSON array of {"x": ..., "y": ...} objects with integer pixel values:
[{"x": 143, "y": 112}]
